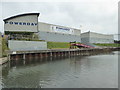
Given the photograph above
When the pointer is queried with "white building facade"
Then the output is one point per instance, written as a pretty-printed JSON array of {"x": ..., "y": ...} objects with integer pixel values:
[
  {"x": 22, "y": 23},
  {"x": 26, "y": 27},
  {"x": 92, "y": 37},
  {"x": 57, "y": 33},
  {"x": 49, "y": 32}
]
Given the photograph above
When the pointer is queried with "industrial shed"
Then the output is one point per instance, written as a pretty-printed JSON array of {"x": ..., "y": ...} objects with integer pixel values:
[
  {"x": 24, "y": 28},
  {"x": 57, "y": 33},
  {"x": 19, "y": 25},
  {"x": 92, "y": 37}
]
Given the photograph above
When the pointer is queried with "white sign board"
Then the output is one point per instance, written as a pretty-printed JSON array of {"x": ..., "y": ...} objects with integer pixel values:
[
  {"x": 27, "y": 23},
  {"x": 62, "y": 30}
]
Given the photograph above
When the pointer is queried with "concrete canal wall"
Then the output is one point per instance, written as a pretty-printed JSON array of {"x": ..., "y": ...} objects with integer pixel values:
[
  {"x": 15, "y": 45},
  {"x": 56, "y": 53}
]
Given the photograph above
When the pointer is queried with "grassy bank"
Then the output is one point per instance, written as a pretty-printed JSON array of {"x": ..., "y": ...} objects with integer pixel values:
[
  {"x": 108, "y": 45},
  {"x": 57, "y": 45},
  {"x": 4, "y": 47}
]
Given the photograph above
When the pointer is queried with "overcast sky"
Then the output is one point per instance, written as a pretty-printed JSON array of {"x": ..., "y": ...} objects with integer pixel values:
[{"x": 89, "y": 15}]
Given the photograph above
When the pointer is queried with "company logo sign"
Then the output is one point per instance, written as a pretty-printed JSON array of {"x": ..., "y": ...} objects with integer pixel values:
[
  {"x": 21, "y": 23},
  {"x": 62, "y": 29}
]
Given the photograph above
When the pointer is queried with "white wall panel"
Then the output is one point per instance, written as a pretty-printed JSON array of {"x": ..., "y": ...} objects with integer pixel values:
[
  {"x": 27, "y": 23},
  {"x": 15, "y": 45}
]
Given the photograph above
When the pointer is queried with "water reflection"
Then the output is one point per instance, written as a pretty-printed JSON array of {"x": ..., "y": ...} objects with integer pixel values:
[{"x": 63, "y": 72}]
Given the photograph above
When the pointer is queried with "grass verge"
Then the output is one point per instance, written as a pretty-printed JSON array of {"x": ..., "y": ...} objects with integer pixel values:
[
  {"x": 109, "y": 45},
  {"x": 4, "y": 47},
  {"x": 57, "y": 45}
]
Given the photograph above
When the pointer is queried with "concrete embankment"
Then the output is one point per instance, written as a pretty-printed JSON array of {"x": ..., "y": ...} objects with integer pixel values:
[
  {"x": 3, "y": 60},
  {"x": 16, "y": 55}
]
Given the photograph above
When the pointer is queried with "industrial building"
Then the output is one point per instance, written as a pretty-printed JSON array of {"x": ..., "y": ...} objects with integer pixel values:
[
  {"x": 24, "y": 32},
  {"x": 56, "y": 33},
  {"x": 24, "y": 28},
  {"x": 48, "y": 32},
  {"x": 92, "y": 37}
]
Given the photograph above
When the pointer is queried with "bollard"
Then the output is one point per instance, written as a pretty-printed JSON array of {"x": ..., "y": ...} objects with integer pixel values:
[{"x": 24, "y": 56}]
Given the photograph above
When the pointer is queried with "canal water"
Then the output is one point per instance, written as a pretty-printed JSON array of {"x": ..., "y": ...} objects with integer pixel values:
[{"x": 95, "y": 71}]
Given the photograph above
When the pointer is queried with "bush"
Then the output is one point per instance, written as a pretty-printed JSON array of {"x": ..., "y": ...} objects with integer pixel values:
[{"x": 4, "y": 47}]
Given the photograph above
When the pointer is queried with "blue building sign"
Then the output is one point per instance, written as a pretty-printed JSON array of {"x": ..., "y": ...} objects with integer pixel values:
[{"x": 62, "y": 29}]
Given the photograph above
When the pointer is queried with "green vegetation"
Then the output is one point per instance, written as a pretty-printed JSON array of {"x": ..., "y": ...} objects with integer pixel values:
[
  {"x": 28, "y": 39},
  {"x": 57, "y": 45},
  {"x": 4, "y": 47},
  {"x": 109, "y": 45},
  {"x": 26, "y": 36},
  {"x": 25, "y": 33}
]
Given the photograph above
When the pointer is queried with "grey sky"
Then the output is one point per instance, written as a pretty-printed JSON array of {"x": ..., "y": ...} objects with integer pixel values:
[{"x": 97, "y": 16}]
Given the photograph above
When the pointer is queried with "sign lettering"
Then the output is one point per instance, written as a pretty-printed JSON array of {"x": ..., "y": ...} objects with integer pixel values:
[
  {"x": 21, "y": 23},
  {"x": 62, "y": 29}
]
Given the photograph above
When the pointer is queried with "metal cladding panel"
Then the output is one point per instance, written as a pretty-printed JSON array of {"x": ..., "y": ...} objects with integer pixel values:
[
  {"x": 77, "y": 32},
  {"x": 15, "y": 45},
  {"x": 85, "y": 40},
  {"x": 57, "y": 37},
  {"x": 44, "y": 27},
  {"x": 27, "y": 23},
  {"x": 92, "y": 37},
  {"x": 84, "y": 35},
  {"x": 0, "y": 46},
  {"x": 101, "y": 38},
  {"x": 98, "y": 35}
]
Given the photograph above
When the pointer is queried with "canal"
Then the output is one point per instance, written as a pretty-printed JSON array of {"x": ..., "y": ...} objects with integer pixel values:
[{"x": 95, "y": 71}]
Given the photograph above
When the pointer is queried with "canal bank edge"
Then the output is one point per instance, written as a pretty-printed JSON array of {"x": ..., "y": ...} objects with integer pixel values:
[
  {"x": 3, "y": 60},
  {"x": 56, "y": 52}
]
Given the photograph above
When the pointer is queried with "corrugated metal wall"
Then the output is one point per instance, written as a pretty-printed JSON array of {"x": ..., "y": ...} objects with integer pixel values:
[
  {"x": 101, "y": 40},
  {"x": 57, "y": 37},
  {"x": 96, "y": 38},
  {"x": 45, "y": 27}
]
